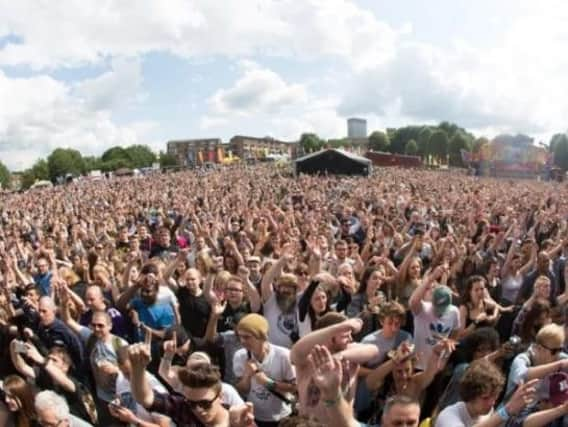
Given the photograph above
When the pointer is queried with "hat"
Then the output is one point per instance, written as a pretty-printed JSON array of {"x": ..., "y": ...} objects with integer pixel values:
[
  {"x": 441, "y": 300},
  {"x": 554, "y": 388},
  {"x": 255, "y": 324},
  {"x": 253, "y": 259}
]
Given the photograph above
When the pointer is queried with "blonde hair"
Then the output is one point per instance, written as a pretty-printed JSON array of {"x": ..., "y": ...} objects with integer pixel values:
[{"x": 552, "y": 335}]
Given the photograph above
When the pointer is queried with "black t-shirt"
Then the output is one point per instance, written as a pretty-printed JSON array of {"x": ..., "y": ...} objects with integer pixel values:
[
  {"x": 194, "y": 312},
  {"x": 165, "y": 253},
  {"x": 231, "y": 316},
  {"x": 76, "y": 406}
]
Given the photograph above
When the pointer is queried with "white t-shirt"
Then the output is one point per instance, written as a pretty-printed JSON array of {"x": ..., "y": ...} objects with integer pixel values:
[
  {"x": 384, "y": 345},
  {"x": 276, "y": 365},
  {"x": 456, "y": 415},
  {"x": 428, "y": 329},
  {"x": 281, "y": 325}
]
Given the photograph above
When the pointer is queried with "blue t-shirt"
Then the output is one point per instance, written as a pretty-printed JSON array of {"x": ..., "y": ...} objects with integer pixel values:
[
  {"x": 157, "y": 316},
  {"x": 44, "y": 283}
]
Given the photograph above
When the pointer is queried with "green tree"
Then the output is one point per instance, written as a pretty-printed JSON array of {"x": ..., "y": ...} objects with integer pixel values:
[
  {"x": 458, "y": 142},
  {"x": 27, "y": 179},
  {"x": 557, "y": 137},
  {"x": 411, "y": 148},
  {"x": 423, "y": 140},
  {"x": 114, "y": 164},
  {"x": 561, "y": 151},
  {"x": 4, "y": 176},
  {"x": 439, "y": 145},
  {"x": 310, "y": 142},
  {"x": 92, "y": 163},
  {"x": 140, "y": 156},
  {"x": 402, "y": 136},
  {"x": 478, "y": 143},
  {"x": 62, "y": 161},
  {"x": 167, "y": 159},
  {"x": 114, "y": 153},
  {"x": 379, "y": 141}
]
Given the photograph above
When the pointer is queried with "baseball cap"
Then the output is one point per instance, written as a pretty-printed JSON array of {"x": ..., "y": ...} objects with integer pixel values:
[
  {"x": 554, "y": 388},
  {"x": 441, "y": 300}
]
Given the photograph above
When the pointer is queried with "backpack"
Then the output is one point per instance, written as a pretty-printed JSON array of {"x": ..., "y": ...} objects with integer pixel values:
[{"x": 85, "y": 394}]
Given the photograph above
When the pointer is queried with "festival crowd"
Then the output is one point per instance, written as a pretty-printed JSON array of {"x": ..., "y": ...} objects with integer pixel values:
[{"x": 246, "y": 296}]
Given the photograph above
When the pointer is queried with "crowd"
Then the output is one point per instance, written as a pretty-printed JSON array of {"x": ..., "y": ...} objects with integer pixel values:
[{"x": 245, "y": 296}]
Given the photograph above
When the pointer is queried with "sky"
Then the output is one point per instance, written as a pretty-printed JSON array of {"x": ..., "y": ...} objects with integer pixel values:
[{"x": 91, "y": 74}]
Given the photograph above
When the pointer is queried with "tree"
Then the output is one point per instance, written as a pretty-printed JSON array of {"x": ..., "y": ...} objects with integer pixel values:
[
  {"x": 4, "y": 176},
  {"x": 439, "y": 145},
  {"x": 167, "y": 159},
  {"x": 458, "y": 143},
  {"x": 114, "y": 164},
  {"x": 114, "y": 153},
  {"x": 140, "y": 156},
  {"x": 379, "y": 141},
  {"x": 62, "y": 161},
  {"x": 478, "y": 143},
  {"x": 423, "y": 141},
  {"x": 411, "y": 148},
  {"x": 27, "y": 179},
  {"x": 402, "y": 136},
  {"x": 554, "y": 140},
  {"x": 92, "y": 163},
  {"x": 310, "y": 142},
  {"x": 38, "y": 172},
  {"x": 561, "y": 151}
]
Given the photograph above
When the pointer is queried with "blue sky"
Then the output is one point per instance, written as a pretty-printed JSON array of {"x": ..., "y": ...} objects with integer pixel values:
[{"x": 92, "y": 74}]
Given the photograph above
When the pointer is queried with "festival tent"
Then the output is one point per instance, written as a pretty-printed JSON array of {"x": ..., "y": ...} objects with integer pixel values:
[{"x": 333, "y": 161}]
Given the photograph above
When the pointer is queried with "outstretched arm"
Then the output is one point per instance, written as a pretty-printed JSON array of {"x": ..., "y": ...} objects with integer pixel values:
[{"x": 301, "y": 350}]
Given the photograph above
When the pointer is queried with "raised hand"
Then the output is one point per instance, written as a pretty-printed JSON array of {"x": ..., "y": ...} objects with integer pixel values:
[
  {"x": 326, "y": 371},
  {"x": 170, "y": 346},
  {"x": 139, "y": 355}
]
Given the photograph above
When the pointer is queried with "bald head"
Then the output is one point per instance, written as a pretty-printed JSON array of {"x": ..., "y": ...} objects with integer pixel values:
[{"x": 46, "y": 311}]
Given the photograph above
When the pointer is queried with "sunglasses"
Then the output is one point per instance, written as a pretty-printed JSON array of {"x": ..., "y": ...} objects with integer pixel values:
[
  {"x": 203, "y": 404},
  {"x": 553, "y": 351}
]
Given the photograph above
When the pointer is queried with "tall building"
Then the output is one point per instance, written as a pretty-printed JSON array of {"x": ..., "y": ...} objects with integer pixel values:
[{"x": 356, "y": 128}]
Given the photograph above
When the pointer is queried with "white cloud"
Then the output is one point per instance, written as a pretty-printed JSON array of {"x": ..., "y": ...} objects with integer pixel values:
[
  {"x": 116, "y": 87},
  {"x": 257, "y": 90},
  {"x": 261, "y": 102},
  {"x": 67, "y": 32},
  {"x": 44, "y": 113},
  {"x": 518, "y": 85}
]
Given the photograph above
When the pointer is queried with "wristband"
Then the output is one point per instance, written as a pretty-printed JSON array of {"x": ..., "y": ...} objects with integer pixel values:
[
  {"x": 332, "y": 402},
  {"x": 270, "y": 384},
  {"x": 503, "y": 414}
]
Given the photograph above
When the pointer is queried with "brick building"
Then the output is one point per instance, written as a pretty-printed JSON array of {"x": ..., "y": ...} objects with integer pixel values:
[{"x": 249, "y": 147}]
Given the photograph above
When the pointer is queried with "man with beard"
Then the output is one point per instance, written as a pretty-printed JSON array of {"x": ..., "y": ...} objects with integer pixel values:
[
  {"x": 149, "y": 316},
  {"x": 333, "y": 331},
  {"x": 280, "y": 305},
  {"x": 145, "y": 310}
]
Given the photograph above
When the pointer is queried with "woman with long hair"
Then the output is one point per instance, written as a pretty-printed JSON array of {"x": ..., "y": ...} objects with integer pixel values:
[
  {"x": 19, "y": 398},
  {"x": 313, "y": 304},
  {"x": 475, "y": 310}
]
